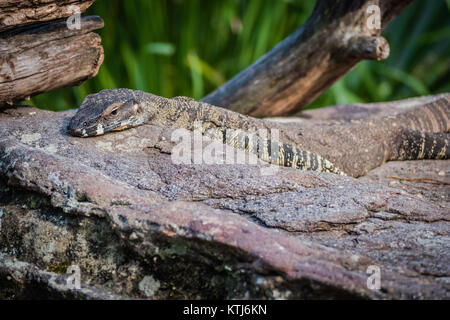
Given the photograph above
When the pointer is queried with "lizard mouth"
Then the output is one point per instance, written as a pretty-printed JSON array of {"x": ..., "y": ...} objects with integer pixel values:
[
  {"x": 86, "y": 131},
  {"x": 94, "y": 131},
  {"x": 120, "y": 127},
  {"x": 77, "y": 132}
]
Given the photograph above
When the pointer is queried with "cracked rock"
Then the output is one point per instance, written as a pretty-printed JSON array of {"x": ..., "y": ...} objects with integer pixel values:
[{"x": 139, "y": 226}]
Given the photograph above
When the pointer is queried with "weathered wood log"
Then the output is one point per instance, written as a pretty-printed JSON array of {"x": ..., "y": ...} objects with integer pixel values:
[
  {"x": 14, "y": 13},
  {"x": 337, "y": 35},
  {"x": 39, "y": 58}
]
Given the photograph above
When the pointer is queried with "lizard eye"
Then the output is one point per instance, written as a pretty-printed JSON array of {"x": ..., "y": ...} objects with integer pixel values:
[
  {"x": 114, "y": 112},
  {"x": 84, "y": 124}
]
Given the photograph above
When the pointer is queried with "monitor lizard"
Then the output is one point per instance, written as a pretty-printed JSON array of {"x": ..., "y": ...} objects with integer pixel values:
[{"x": 119, "y": 109}]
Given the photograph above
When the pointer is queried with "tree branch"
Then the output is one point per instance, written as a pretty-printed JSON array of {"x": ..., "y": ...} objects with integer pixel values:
[
  {"x": 14, "y": 13},
  {"x": 39, "y": 58},
  {"x": 336, "y": 36}
]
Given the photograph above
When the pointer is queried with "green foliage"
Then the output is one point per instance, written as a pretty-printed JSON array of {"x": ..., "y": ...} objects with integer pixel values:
[{"x": 190, "y": 47}]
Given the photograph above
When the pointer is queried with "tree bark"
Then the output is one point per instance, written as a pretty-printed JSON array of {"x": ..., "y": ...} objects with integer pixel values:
[
  {"x": 336, "y": 36},
  {"x": 39, "y": 58},
  {"x": 14, "y": 13}
]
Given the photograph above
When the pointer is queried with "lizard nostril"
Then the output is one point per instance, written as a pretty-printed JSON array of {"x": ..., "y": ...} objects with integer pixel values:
[{"x": 84, "y": 124}]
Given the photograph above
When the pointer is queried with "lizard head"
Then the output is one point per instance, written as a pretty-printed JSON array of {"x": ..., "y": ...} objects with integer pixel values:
[{"x": 106, "y": 111}]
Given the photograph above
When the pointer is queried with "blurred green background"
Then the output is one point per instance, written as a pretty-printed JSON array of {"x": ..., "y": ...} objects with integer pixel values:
[{"x": 190, "y": 47}]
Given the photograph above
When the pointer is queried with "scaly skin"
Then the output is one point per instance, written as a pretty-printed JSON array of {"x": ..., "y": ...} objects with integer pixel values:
[
  {"x": 120, "y": 109},
  {"x": 421, "y": 132}
]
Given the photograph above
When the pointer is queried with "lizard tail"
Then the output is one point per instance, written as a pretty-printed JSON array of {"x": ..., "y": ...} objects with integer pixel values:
[
  {"x": 274, "y": 152},
  {"x": 307, "y": 160},
  {"x": 417, "y": 145}
]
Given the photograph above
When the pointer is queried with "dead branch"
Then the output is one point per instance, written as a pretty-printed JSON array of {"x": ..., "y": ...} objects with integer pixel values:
[
  {"x": 39, "y": 58},
  {"x": 336, "y": 36},
  {"x": 15, "y": 13}
]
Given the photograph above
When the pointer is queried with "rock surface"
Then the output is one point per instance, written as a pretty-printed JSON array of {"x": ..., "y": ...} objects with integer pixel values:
[{"x": 140, "y": 226}]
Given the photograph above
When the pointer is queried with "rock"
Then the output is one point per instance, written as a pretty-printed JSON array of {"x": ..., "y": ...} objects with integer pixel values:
[
  {"x": 29, "y": 282},
  {"x": 140, "y": 226},
  {"x": 149, "y": 286}
]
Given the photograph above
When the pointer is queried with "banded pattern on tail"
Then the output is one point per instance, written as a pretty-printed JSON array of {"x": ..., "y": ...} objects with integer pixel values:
[
  {"x": 417, "y": 145},
  {"x": 272, "y": 151}
]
